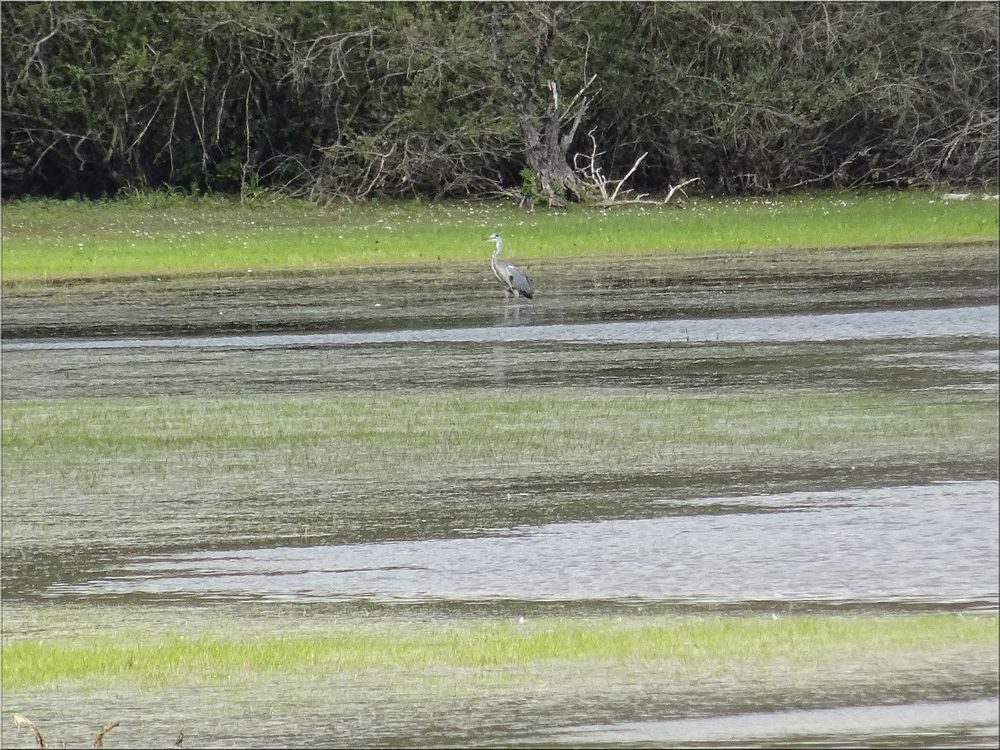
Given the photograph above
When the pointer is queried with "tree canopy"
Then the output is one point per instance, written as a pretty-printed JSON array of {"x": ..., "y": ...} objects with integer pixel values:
[{"x": 327, "y": 100}]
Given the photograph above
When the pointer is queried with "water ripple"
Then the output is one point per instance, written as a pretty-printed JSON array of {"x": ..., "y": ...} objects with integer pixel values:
[
  {"x": 957, "y": 321},
  {"x": 932, "y": 543}
]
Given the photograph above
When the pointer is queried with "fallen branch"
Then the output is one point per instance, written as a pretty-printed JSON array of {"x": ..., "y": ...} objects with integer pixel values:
[
  {"x": 611, "y": 190},
  {"x": 99, "y": 740},
  {"x": 23, "y": 722},
  {"x": 675, "y": 188}
]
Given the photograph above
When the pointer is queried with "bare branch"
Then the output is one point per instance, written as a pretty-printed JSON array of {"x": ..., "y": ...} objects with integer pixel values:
[
  {"x": 628, "y": 174},
  {"x": 23, "y": 722},
  {"x": 675, "y": 188},
  {"x": 99, "y": 740}
]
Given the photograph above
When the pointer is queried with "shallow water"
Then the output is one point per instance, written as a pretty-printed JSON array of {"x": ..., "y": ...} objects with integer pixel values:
[
  {"x": 407, "y": 712},
  {"x": 947, "y": 723},
  {"x": 909, "y": 348},
  {"x": 800, "y": 547},
  {"x": 885, "y": 535},
  {"x": 953, "y": 322},
  {"x": 664, "y": 286}
]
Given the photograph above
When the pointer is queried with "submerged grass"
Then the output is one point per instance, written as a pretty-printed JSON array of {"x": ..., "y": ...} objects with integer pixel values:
[
  {"x": 702, "y": 644},
  {"x": 168, "y": 234},
  {"x": 469, "y": 432}
]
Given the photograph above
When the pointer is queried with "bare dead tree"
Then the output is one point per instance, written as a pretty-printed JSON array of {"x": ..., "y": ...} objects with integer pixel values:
[{"x": 547, "y": 127}]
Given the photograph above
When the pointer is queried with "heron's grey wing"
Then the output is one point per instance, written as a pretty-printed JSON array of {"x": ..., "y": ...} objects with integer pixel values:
[{"x": 519, "y": 281}]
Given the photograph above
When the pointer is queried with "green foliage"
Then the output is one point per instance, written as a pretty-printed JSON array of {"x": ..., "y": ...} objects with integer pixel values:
[
  {"x": 770, "y": 95},
  {"x": 527, "y": 189},
  {"x": 330, "y": 100}
]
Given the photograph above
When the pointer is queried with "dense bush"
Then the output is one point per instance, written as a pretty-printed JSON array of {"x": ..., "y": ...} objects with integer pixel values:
[{"x": 358, "y": 99}]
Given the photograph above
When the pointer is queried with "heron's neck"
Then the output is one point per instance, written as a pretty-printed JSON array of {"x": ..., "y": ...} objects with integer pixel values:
[{"x": 499, "y": 247}]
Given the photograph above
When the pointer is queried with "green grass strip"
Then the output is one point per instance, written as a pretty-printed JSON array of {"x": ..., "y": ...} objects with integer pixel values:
[
  {"x": 159, "y": 233},
  {"x": 683, "y": 642},
  {"x": 410, "y": 433}
]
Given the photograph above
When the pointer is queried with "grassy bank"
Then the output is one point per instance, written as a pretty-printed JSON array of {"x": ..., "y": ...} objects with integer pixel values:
[
  {"x": 706, "y": 645},
  {"x": 467, "y": 432},
  {"x": 167, "y": 234}
]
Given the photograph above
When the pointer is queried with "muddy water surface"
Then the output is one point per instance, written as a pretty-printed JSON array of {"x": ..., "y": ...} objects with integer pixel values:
[{"x": 844, "y": 537}]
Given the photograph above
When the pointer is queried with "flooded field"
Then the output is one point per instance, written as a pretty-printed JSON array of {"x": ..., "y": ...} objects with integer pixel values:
[{"x": 771, "y": 435}]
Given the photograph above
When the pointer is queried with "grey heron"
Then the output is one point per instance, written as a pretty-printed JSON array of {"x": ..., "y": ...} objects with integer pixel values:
[{"x": 513, "y": 279}]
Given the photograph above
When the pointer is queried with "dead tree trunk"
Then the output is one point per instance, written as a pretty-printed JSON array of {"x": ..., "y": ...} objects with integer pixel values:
[{"x": 546, "y": 130}]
